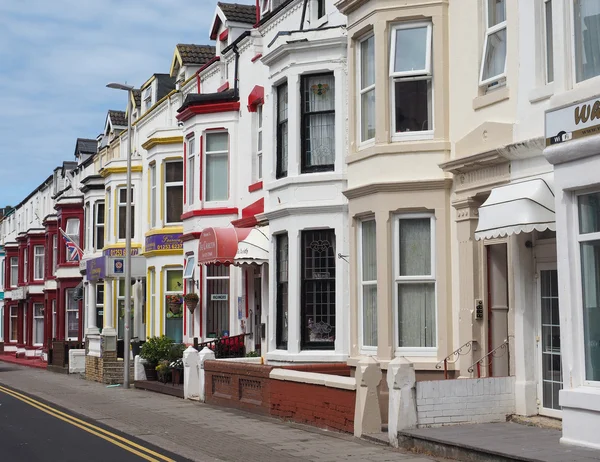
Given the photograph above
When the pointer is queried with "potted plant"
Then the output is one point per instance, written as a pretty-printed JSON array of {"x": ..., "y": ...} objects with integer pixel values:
[
  {"x": 153, "y": 351},
  {"x": 174, "y": 303},
  {"x": 162, "y": 370},
  {"x": 191, "y": 301}
]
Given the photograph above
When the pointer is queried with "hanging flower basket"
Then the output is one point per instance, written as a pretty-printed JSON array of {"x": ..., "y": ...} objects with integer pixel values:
[{"x": 191, "y": 301}]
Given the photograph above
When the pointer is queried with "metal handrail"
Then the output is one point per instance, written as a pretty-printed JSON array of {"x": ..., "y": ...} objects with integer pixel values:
[
  {"x": 456, "y": 353},
  {"x": 491, "y": 355}
]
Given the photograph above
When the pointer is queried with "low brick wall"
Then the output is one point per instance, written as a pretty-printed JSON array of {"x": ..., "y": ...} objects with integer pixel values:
[
  {"x": 318, "y": 405},
  {"x": 106, "y": 369},
  {"x": 341, "y": 369},
  {"x": 238, "y": 385},
  {"x": 445, "y": 402}
]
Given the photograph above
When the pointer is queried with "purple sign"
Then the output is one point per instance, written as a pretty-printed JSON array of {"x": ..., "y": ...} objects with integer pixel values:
[
  {"x": 95, "y": 269},
  {"x": 163, "y": 242}
]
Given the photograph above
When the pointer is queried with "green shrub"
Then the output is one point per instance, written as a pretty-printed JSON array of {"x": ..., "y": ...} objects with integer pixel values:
[
  {"x": 156, "y": 349},
  {"x": 177, "y": 350}
]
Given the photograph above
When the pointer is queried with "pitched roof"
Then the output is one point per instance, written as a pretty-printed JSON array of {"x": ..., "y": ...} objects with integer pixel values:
[
  {"x": 85, "y": 146},
  {"x": 198, "y": 99},
  {"x": 118, "y": 118},
  {"x": 238, "y": 13},
  {"x": 195, "y": 54}
]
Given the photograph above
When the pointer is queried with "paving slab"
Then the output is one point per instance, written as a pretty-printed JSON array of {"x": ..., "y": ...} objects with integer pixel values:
[{"x": 504, "y": 441}]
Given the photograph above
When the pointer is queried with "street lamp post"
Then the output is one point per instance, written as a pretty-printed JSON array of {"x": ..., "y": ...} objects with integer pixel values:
[{"x": 126, "y": 331}]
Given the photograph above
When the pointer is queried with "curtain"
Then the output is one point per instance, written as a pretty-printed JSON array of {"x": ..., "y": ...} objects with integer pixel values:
[
  {"x": 495, "y": 56},
  {"x": 369, "y": 291},
  {"x": 587, "y": 38},
  {"x": 320, "y": 97},
  {"x": 415, "y": 247},
  {"x": 416, "y": 315},
  {"x": 217, "y": 187}
]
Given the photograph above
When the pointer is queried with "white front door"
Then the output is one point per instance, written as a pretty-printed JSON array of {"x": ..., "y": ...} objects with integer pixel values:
[{"x": 550, "y": 371}]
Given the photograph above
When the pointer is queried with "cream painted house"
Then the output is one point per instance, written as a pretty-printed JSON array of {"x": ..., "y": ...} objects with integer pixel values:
[{"x": 399, "y": 198}]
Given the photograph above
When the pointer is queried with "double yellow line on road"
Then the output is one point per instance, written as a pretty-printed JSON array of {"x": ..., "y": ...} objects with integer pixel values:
[{"x": 117, "y": 440}]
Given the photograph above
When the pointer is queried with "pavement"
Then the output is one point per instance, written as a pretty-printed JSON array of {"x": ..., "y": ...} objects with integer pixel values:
[{"x": 191, "y": 430}]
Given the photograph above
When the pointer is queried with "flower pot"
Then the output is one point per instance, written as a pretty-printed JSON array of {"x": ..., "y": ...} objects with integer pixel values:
[
  {"x": 150, "y": 372},
  {"x": 177, "y": 376}
]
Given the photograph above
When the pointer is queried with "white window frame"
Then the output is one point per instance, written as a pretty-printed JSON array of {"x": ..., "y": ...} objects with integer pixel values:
[
  {"x": 13, "y": 336},
  {"x": 166, "y": 293},
  {"x": 259, "y": 144},
  {"x": 364, "y": 349},
  {"x": 36, "y": 319},
  {"x": 207, "y": 154},
  {"x": 581, "y": 238},
  {"x": 99, "y": 225},
  {"x": 172, "y": 184},
  {"x": 490, "y": 30},
  {"x": 99, "y": 305},
  {"x": 109, "y": 219},
  {"x": 25, "y": 264},
  {"x": 152, "y": 290},
  {"x": 38, "y": 262},
  {"x": 190, "y": 267},
  {"x": 191, "y": 170},
  {"x": 14, "y": 272},
  {"x": 414, "y": 351},
  {"x": 124, "y": 204},
  {"x": 67, "y": 311},
  {"x": 54, "y": 319},
  {"x": 361, "y": 91},
  {"x": 74, "y": 237},
  {"x": 547, "y": 52},
  {"x": 147, "y": 98},
  {"x": 153, "y": 189},
  {"x": 418, "y": 74},
  {"x": 572, "y": 11}
]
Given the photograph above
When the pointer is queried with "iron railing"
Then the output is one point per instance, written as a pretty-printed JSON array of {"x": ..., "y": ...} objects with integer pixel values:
[
  {"x": 226, "y": 347},
  {"x": 487, "y": 359},
  {"x": 453, "y": 357}
]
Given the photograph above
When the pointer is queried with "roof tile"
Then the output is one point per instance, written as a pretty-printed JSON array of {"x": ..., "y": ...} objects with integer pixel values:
[
  {"x": 238, "y": 13},
  {"x": 195, "y": 54}
]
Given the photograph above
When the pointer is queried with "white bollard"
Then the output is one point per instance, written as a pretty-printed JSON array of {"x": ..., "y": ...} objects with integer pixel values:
[
  {"x": 139, "y": 373},
  {"x": 205, "y": 354},
  {"x": 367, "y": 415},
  {"x": 190, "y": 373},
  {"x": 403, "y": 400}
]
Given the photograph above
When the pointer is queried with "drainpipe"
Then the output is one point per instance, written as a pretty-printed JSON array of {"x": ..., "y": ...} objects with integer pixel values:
[
  {"x": 235, "y": 76},
  {"x": 303, "y": 14}
]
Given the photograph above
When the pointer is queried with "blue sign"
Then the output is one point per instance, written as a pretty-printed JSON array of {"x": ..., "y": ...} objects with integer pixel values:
[{"x": 118, "y": 266}]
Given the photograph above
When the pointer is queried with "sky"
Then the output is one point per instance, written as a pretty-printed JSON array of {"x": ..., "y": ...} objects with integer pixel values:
[{"x": 56, "y": 58}]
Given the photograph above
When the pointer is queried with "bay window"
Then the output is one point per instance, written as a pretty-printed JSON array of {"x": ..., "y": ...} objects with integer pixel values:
[
  {"x": 152, "y": 195},
  {"x": 217, "y": 167},
  {"x": 25, "y": 264},
  {"x": 14, "y": 271},
  {"x": 38, "y": 323},
  {"x": 415, "y": 281},
  {"x": 493, "y": 62},
  {"x": 99, "y": 225},
  {"x": 14, "y": 323},
  {"x": 72, "y": 230},
  {"x": 318, "y": 123},
  {"x": 72, "y": 314},
  {"x": 318, "y": 289},
  {"x": 282, "y": 131},
  {"x": 368, "y": 283},
  {"x": 191, "y": 170},
  {"x": 282, "y": 272},
  {"x": 366, "y": 105},
  {"x": 411, "y": 79},
  {"x": 589, "y": 245},
  {"x": 54, "y": 253},
  {"x": 122, "y": 209},
  {"x": 38, "y": 262},
  {"x": 173, "y": 191},
  {"x": 587, "y": 36}
]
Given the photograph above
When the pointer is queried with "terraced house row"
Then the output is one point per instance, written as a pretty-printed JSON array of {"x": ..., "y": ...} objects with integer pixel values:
[{"x": 372, "y": 183}]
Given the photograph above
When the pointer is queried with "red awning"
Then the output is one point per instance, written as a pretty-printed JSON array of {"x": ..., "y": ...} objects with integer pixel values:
[{"x": 220, "y": 245}]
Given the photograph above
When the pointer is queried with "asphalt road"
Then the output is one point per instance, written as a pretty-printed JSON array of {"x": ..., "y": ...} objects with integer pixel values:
[{"x": 35, "y": 431}]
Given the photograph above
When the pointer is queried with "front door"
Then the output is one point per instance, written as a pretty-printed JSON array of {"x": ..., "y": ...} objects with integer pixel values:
[
  {"x": 549, "y": 341},
  {"x": 256, "y": 329}
]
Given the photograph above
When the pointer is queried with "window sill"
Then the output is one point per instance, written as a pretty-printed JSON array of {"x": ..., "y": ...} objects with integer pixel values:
[
  {"x": 319, "y": 177},
  {"x": 417, "y": 352},
  {"x": 365, "y": 144},
  {"x": 541, "y": 93},
  {"x": 491, "y": 97},
  {"x": 412, "y": 136},
  {"x": 255, "y": 186}
]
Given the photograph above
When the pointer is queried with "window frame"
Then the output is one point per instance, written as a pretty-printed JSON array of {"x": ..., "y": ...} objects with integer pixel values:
[
  {"x": 109, "y": 219},
  {"x": 124, "y": 205},
  {"x": 209, "y": 302},
  {"x": 152, "y": 198},
  {"x": 280, "y": 309},
  {"x": 304, "y": 116},
  {"x": 365, "y": 349},
  {"x": 99, "y": 227},
  {"x": 172, "y": 184},
  {"x": 190, "y": 262},
  {"x": 207, "y": 154},
  {"x": 67, "y": 311},
  {"x": 166, "y": 292},
  {"x": 147, "y": 98},
  {"x": 76, "y": 238},
  {"x": 37, "y": 318},
  {"x": 548, "y": 51},
  {"x": 580, "y": 239},
  {"x": 38, "y": 262},
  {"x": 361, "y": 91},
  {"x": 258, "y": 169},
  {"x": 99, "y": 305},
  {"x": 415, "y": 75},
  {"x": 489, "y": 31},
  {"x": 14, "y": 272},
  {"x": 280, "y": 172},
  {"x": 414, "y": 351},
  {"x": 26, "y": 264},
  {"x": 13, "y": 334},
  {"x": 190, "y": 170}
]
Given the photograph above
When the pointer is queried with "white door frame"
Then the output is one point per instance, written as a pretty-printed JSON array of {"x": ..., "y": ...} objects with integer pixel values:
[{"x": 546, "y": 266}]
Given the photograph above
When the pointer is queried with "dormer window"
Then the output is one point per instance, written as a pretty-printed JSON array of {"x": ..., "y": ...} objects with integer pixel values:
[
  {"x": 264, "y": 7},
  {"x": 147, "y": 98},
  {"x": 319, "y": 8}
]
